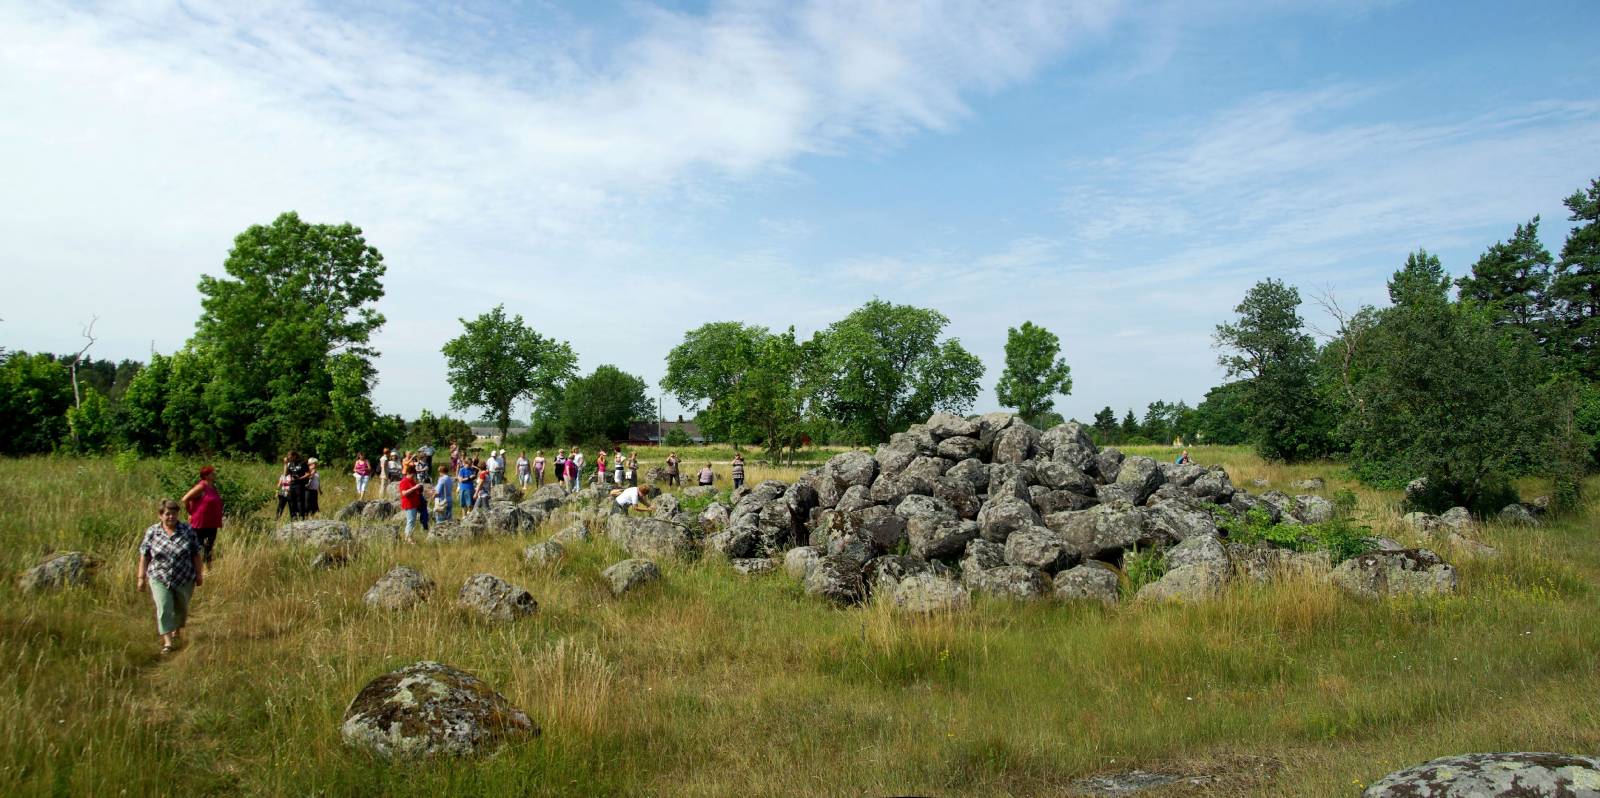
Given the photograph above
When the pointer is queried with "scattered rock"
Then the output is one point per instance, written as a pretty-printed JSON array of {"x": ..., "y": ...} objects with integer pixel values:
[
  {"x": 798, "y": 562},
  {"x": 505, "y": 492},
  {"x": 1036, "y": 547},
  {"x": 549, "y": 552},
  {"x": 1462, "y": 544},
  {"x": 1459, "y": 519},
  {"x": 401, "y": 588},
  {"x": 753, "y": 566},
  {"x": 1519, "y": 515},
  {"x": 495, "y": 598},
  {"x": 575, "y": 532},
  {"x": 630, "y": 574},
  {"x": 1496, "y": 775},
  {"x": 1313, "y": 509},
  {"x": 454, "y": 531},
  {"x": 1260, "y": 482},
  {"x": 926, "y": 593},
  {"x": 837, "y": 579},
  {"x": 1091, "y": 581},
  {"x": 330, "y": 559},
  {"x": 1407, "y": 572},
  {"x": 1314, "y": 483},
  {"x": 981, "y": 555},
  {"x": 1009, "y": 581},
  {"x": 427, "y": 709},
  {"x": 322, "y": 533},
  {"x": 67, "y": 569}
]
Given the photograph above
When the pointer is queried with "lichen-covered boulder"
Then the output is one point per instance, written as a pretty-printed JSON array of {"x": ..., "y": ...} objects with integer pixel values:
[
  {"x": 648, "y": 537},
  {"x": 958, "y": 448},
  {"x": 714, "y": 517},
  {"x": 943, "y": 426},
  {"x": 893, "y": 457},
  {"x": 1009, "y": 581},
  {"x": 882, "y": 574},
  {"x": 837, "y": 579},
  {"x": 1200, "y": 550},
  {"x": 1015, "y": 443},
  {"x": 1213, "y": 486},
  {"x": 455, "y": 531},
  {"x": 1108, "y": 464},
  {"x": 1138, "y": 478},
  {"x": 1036, "y": 547},
  {"x": 549, "y": 552},
  {"x": 925, "y": 593},
  {"x": 547, "y": 498},
  {"x": 753, "y": 566},
  {"x": 575, "y": 532},
  {"x": 350, "y": 512},
  {"x": 1006, "y": 514},
  {"x": 1091, "y": 581},
  {"x": 1407, "y": 572},
  {"x": 428, "y": 709},
  {"x": 321, "y": 533},
  {"x": 378, "y": 510},
  {"x": 1178, "y": 520},
  {"x": 66, "y": 569},
  {"x": 495, "y": 598},
  {"x": 1519, "y": 515},
  {"x": 1197, "y": 569},
  {"x": 1461, "y": 544},
  {"x": 974, "y": 471},
  {"x": 1313, "y": 509},
  {"x": 1314, "y": 483},
  {"x": 629, "y": 575},
  {"x": 401, "y": 588},
  {"x": 1102, "y": 531},
  {"x": 798, "y": 561},
  {"x": 1263, "y": 564},
  {"x": 505, "y": 492},
  {"x": 1061, "y": 476},
  {"x": 1459, "y": 519},
  {"x": 1498, "y": 775}
]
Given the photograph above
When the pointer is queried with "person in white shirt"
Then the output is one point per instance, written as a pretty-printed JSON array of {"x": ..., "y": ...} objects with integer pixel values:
[{"x": 626, "y": 499}]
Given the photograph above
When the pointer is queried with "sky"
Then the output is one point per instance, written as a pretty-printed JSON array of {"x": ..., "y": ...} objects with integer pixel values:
[{"x": 620, "y": 173}]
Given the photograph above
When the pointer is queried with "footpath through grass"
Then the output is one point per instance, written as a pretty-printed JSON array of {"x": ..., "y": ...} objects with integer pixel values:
[{"x": 713, "y": 684}]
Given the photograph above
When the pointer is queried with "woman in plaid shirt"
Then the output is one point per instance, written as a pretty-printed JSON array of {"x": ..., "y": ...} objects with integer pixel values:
[{"x": 170, "y": 565}]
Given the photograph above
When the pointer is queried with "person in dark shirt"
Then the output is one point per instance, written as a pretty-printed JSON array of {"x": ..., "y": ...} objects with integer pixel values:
[{"x": 299, "y": 474}]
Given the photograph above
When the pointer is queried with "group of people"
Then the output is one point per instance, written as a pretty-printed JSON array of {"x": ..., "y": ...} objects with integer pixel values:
[{"x": 299, "y": 487}]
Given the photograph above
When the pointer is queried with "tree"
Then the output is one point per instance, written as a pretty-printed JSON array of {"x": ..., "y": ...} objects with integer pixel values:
[
  {"x": 1157, "y": 424},
  {"x": 1268, "y": 346},
  {"x": 1421, "y": 279},
  {"x": 1130, "y": 427},
  {"x": 1223, "y": 417},
  {"x": 1576, "y": 289},
  {"x": 436, "y": 431},
  {"x": 755, "y": 385},
  {"x": 1512, "y": 278},
  {"x": 1105, "y": 426},
  {"x": 1033, "y": 373},
  {"x": 499, "y": 361},
  {"x": 294, "y": 295},
  {"x": 93, "y": 425},
  {"x": 883, "y": 369},
  {"x": 35, "y": 392},
  {"x": 599, "y": 406}
]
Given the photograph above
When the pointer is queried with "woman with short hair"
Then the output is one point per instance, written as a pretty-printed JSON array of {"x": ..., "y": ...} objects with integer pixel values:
[
  {"x": 205, "y": 510},
  {"x": 170, "y": 567}
]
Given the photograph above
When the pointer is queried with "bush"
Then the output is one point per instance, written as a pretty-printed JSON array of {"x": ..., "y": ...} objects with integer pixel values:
[
  {"x": 1340, "y": 537},
  {"x": 677, "y": 437},
  {"x": 1140, "y": 568},
  {"x": 239, "y": 497}
]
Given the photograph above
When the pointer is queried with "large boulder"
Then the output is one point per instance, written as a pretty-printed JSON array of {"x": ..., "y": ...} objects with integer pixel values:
[
  {"x": 1138, "y": 478},
  {"x": 958, "y": 448},
  {"x": 1497, "y": 775},
  {"x": 1459, "y": 519},
  {"x": 893, "y": 457},
  {"x": 1518, "y": 515},
  {"x": 629, "y": 575},
  {"x": 320, "y": 533},
  {"x": 494, "y": 598},
  {"x": 1101, "y": 532},
  {"x": 575, "y": 532},
  {"x": 1213, "y": 486},
  {"x": 648, "y": 537},
  {"x": 926, "y": 467},
  {"x": 1313, "y": 509},
  {"x": 1015, "y": 443},
  {"x": 1263, "y": 563},
  {"x": 1179, "y": 520},
  {"x": 1182, "y": 475},
  {"x": 1197, "y": 569},
  {"x": 990, "y": 425},
  {"x": 958, "y": 493},
  {"x": 981, "y": 555},
  {"x": 1036, "y": 547},
  {"x": 881, "y": 574},
  {"x": 856, "y": 497},
  {"x": 798, "y": 562},
  {"x": 943, "y": 426},
  {"x": 1108, "y": 464},
  {"x": 1061, "y": 476},
  {"x": 1091, "y": 581},
  {"x": 456, "y": 531},
  {"x": 1069, "y": 444},
  {"x": 1003, "y": 515},
  {"x": 542, "y": 554},
  {"x": 714, "y": 517},
  {"x": 1056, "y": 501},
  {"x": 400, "y": 588},
  {"x": 1407, "y": 572},
  {"x": 974, "y": 471},
  {"x": 505, "y": 492},
  {"x": 926, "y": 593},
  {"x": 66, "y": 569},
  {"x": 1009, "y": 581},
  {"x": 427, "y": 709},
  {"x": 547, "y": 498},
  {"x": 852, "y": 469},
  {"x": 837, "y": 579},
  {"x": 379, "y": 510}
]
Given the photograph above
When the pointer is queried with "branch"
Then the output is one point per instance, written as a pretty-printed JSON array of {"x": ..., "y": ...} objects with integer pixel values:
[{"x": 88, "y": 332}]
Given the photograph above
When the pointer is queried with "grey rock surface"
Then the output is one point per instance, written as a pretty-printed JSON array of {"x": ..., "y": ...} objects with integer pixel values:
[
  {"x": 630, "y": 574},
  {"x": 494, "y": 598},
  {"x": 429, "y": 709},
  {"x": 401, "y": 588},
  {"x": 1494, "y": 775}
]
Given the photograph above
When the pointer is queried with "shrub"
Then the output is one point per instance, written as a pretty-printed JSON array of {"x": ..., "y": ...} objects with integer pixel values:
[
  {"x": 1140, "y": 568},
  {"x": 239, "y": 497}
]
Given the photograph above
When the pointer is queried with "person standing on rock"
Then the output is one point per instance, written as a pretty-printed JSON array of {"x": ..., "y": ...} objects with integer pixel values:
[
  {"x": 411, "y": 502},
  {"x": 170, "y": 567},
  {"x": 299, "y": 474},
  {"x": 362, "y": 471},
  {"x": 205, "y": 510},
  {"x": 738, "y": 471},
  {"x": 444, "y": 495},
  {"x": 672, "y": 470}
]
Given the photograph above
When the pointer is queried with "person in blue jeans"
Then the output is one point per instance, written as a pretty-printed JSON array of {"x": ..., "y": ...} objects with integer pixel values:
[
  {"x": 446, "y": 491},
  {"x": 466, "y": 478}
]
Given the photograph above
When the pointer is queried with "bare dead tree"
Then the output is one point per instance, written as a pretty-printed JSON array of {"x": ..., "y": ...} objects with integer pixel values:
[
  {"x": 88, "y": 332},
  {"x": 1346, "y": 336}
]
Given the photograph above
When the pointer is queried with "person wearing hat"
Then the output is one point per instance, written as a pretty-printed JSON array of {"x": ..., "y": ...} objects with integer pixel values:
[{"x": 204, "y": 504}]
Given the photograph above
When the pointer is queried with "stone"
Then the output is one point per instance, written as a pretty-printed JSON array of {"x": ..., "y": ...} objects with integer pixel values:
[
  {"x": 1520, "y": 774},
  {"x": 1061, "y": 476},
  {"x": 882, "y": 574},
  {"x": 735, "y": 542},
  {"x": 925, "y": 467},
  {"x": 1407, "y": 572},
  {"x": 505, "y": 492},
  {"x": 925, "y": 593},
  {"x": 856, "y": 497},
  {"x": 990, "y": 425},
  {"x": 958, "y": 448},
  {"x": 1519, "y": 515},
  {"x": 753, "y": 566},
  {"x": 461, "y": 531},
  {"x": 350, "y": 512},
  {"x": 1009, "y": 581},
  {"x": 958, "y": 493},
  {"x": 1313, "y": 509},
  {"x": 1056, "y": 501},
  {"x": 1036, "y": 547},
  {"x": 1070, "y": 434},
  {"x": 494, "y": 598},
  {"x": 921, "y": 438},
  {"x": 379, "y": 510},
  {"x": 575, "y": 532},
  {"x": 981, "y": 555},
  {"x": 429, "y": 709},
  {"x": 1461, "y": 544},
  {"x": 852, "y": 469},
  {"x": 1314, "y": 483},
  {"x": 329, "y": 559},
  {"x": 1179, "y": 520},
  {"x": 1003, "y": 515},
  {"x": 1101, "y": 532},
  {"x": 1260, "y": 482},
  {"x": 1284, "y": 504},
  {"x": 648, "y": 537},
  {"x": 666, "y": 507},
  {"x": 943, "y": 426},
  {"x": 319, "y": 533},
  {"x": 549, "y": 552},
  {"x": 629, "y": 575},
  {"x": 1015, "y": 443},
  {"x": 798, "y": 562},
  {"x": 1213, "y": 486},
  {"x": 1422, "y": 523},
  {"x": 837, "y": 579},
  {"x": 1190, "y": 583},
  {"x": 714, "y": 517},
  {"x": 1139, "y": 477},
  {"x": 1264, "y": 564},
  {"x": 1242, "y": 503},
  {"x": 1459, "y": 519},
  {"x": 67, "y": 569},
  {"x": 1108, "y": 464},
  {"x": 939, "y": 538},
  {"x": 1200, "y": 550},
  {"x": 893, "y": 457},
  {"x": 974, "y": 471},
  {"x": 1091, "y": 581},
  {"x": 401, "y": 588},
  {"x": 697, "y": 492}
]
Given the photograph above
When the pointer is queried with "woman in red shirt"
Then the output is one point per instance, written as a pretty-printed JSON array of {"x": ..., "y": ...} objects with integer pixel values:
[
  {"x": 204, "y": 504},
  {"x": 411, "y": 501}
]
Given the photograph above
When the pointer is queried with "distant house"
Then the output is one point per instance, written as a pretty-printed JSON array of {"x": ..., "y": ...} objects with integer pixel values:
[
  {"x": 484, "y": 437},
  {"x": 650, "y": 433}
]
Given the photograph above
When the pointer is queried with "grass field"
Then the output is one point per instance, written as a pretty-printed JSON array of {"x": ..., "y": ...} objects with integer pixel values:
[{"x": 712, "y": 684}]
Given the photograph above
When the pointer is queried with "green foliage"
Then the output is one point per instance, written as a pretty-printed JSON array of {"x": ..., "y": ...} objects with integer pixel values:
[
  {"x": 1289, "y": 421},
  {"x": 1569, "y": 449},
  {"x": 750, "y": 383},
  {"x": 1141, "y": 567},
  {"x": 1446, "y": 395},
  {"x": 677, "y": 437},
  {"x": 499, "y": 361},
  {"x": 240, "y": 496},
  {"x": 1422, "y": 280},
  {"x": 436, "y": 431},
  {"x": 1512, "y": 279},
  {"x": 1033, "y": 374},
  {"x": 1104, "y": 428},
  {"x": 1129, "y": 428},
  {"x": 1338, "y": 536},
  {"x": 93, "y": 429},
  {"x": 1575, "y": 291},
  {"x": 1223, "y": 417},
  {"x": 883, "y": 368},
  {"x": 281, "y": 355},
  {"x": 34, "y": 396},
  {"x": 599, "y": 406}
]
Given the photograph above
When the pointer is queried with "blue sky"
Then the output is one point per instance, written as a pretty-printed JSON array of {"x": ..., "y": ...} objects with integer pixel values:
[{"x": 618, "y": 174}]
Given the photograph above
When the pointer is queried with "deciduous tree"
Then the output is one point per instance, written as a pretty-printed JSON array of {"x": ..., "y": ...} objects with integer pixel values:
[
  {"x": 1033, "y": 374},
  {"x": 1269, "y": 347},
  {"x": 599, "y": 406},
  {"x": 498, "y": 361}
]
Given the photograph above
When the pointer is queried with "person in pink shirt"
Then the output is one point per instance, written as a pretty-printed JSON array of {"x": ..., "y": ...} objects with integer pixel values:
[
  {"x": 362, "y": 472},
  {"x": 204, "y": 504}
]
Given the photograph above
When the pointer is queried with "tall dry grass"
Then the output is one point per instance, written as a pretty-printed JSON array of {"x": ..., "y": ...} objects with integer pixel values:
[{"x": 708, "y": 683}]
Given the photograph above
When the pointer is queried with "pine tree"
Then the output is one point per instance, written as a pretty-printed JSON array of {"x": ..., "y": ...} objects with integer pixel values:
[
  {"x": 1513, "y": 279},
  {"x": 1576, "y": 289}
]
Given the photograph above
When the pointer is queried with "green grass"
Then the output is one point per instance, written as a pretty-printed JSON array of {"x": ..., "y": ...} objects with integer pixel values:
[{"x": 713, "y": 684}]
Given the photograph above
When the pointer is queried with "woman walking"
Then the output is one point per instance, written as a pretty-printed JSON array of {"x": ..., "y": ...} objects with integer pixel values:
[
  {"x": 362, "y": 471},
  {"x": 577, "y": 467},
  {"x": 205, "y": 510},
  {"x": 538, "y": 470},
  {"x": 170, "y": 567}
]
